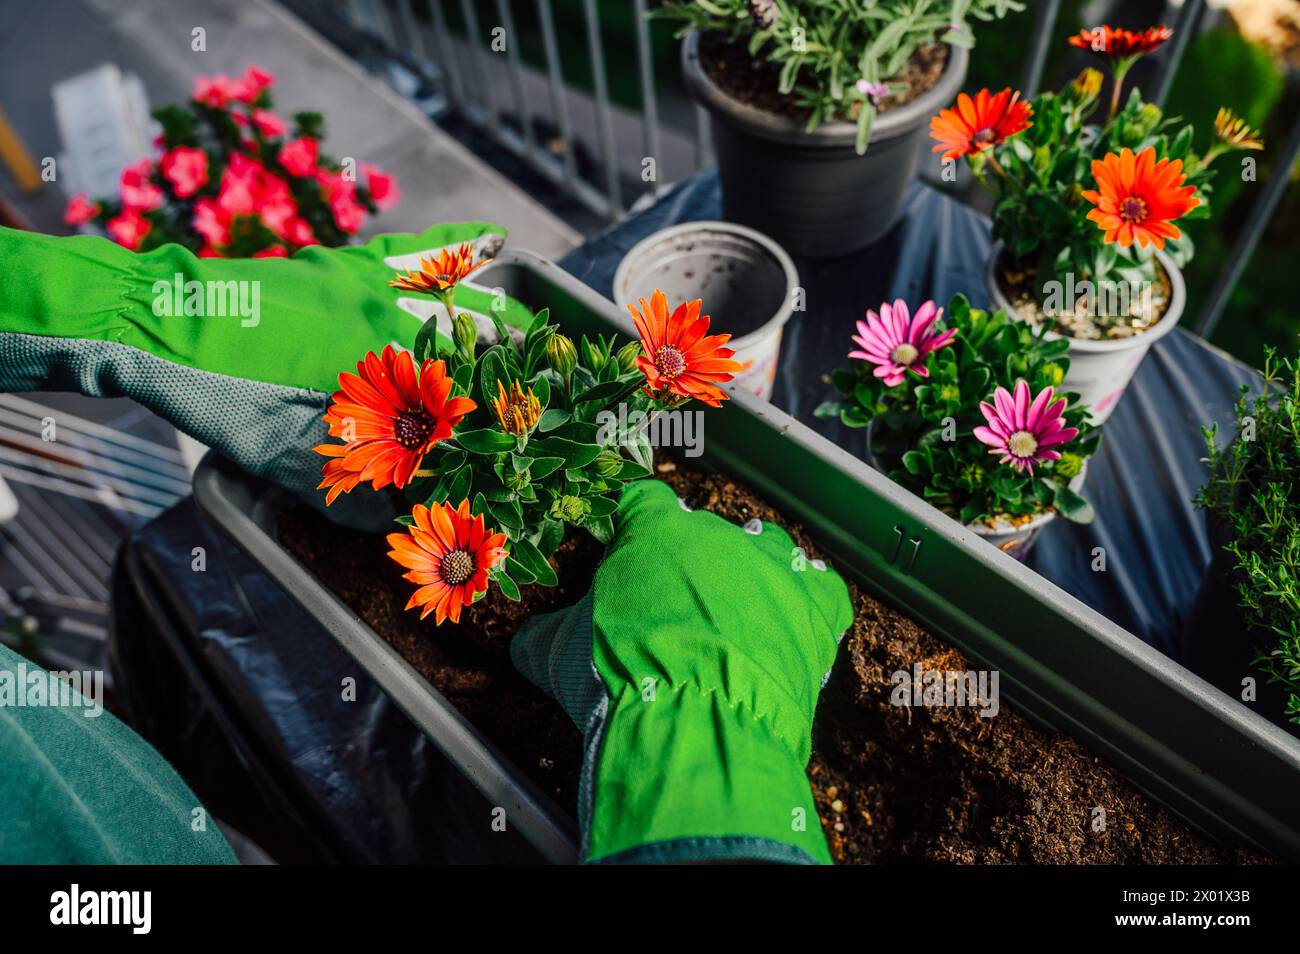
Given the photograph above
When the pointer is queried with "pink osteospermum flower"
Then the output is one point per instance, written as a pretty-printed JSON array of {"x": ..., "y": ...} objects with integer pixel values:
[
  {"x": 1024, "y": 430},
  {"x": 897, "y": 343}
]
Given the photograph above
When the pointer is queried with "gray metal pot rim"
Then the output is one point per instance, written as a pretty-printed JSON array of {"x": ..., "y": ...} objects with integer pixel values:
[
  {"x": 1168, "y": 321},
  {"x": 837, "y": 134},
  {"x": 779, "y": 257}
]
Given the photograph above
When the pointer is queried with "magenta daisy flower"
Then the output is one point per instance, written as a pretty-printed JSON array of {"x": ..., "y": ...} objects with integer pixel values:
[
  {"x": 897, "y": 343},
  {"x": 1023, "y": 431}
]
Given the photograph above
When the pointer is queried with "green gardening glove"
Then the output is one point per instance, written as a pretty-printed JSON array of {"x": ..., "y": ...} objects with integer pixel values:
[
  {"x": 251, "y": 373},
  {"x": 693, "y": 668}
]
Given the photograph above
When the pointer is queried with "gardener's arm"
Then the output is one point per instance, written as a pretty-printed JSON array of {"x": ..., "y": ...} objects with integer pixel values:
[
  {"x": 240, "y": 354},
  {"x": 693, "y": 668}
]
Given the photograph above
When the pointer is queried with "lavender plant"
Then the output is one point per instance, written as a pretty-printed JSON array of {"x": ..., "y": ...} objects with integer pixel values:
[{"x": 837, "y": 57}]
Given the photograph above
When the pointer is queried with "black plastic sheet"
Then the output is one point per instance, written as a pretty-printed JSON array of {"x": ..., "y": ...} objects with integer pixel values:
[
  {"x": 1141, "y": 483},
  {"x": 244, "y": 693}
]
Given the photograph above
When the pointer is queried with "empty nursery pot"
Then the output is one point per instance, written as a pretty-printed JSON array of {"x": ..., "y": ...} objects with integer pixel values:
[
  {"x": 745, "y": 278},
  {"x": 811, "y": 191}
]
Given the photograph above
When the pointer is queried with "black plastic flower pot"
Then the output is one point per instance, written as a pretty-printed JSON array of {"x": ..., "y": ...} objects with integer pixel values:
[
  {"x": 1224, "y": 768},
  {"x": 811, "y": 191}
]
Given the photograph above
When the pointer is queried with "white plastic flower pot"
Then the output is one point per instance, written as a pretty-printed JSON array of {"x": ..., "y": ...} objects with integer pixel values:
[
  {"x": 1015, "y": 539},
  {"x": 1101, "y": 370},
  {"x": 1012, "y": 539},
  {"x": 746, "y": 278}
]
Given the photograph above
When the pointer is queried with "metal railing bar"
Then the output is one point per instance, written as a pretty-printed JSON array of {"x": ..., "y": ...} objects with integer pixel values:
[
  {"x": 603, "y": 120},
  {"x": 39, "y": 555},
  {"x": 455, "y": 87},
  {"x": 13, "y": 555},
  {"x": 477, "y": 53},
  {"x": 84, "y": 577},
  {"x": 1174, "y": 49},
  {"x": 1260, "y": 214},
  {"x": 68, "y": 539},
  {"x": 516, "y": 74},
  {"x": 102, "y": 483},
  {"x": 99, "y": 495},
  {"x": 1045, "y": 12},
  {"x": 103, "y": 432},
  {"x": 649, "y": 105},
  {"x": 381, "y": 26},
  {"x": 703, "y": 138},
  {"x": 412, "y": 34},
  {"x": 559, "y": 99},
  {"x": 67, "y": 453}
]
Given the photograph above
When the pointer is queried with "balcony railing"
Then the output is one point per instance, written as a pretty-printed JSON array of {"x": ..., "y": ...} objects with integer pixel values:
[{"x": 461, "y": 70}]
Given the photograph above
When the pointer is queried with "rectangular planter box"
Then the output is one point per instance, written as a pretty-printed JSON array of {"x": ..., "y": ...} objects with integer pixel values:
[{"x": 1221, "y": 766}]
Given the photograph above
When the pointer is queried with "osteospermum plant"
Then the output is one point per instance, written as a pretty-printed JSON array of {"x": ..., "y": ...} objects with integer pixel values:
[
  {"x": 497, "y": 445},
  {"x": 965, "y": 411},
  {"x": 1087, "y": 190}
]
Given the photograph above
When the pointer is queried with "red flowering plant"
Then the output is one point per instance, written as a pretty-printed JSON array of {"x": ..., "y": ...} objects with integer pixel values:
[
  {"x": 504, "y": 448},
  {"x": 1083, "y": 199},
  {"x": 233, "y": 179}
]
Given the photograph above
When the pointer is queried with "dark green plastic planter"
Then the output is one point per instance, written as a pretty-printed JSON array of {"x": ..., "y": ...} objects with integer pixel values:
[{"x": 1221, "y": 766}]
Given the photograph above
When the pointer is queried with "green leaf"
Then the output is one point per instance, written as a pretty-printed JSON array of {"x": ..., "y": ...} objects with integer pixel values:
[
  {"x": 545, "y": 466},
  {"x": 460, "y": 486},
  {"x": 574, "y": 454},
  {"x": 527, "y": 554},
  {"x": 1072, "y": 506},
  {"x": 517, "y": 570},
  {"x": 602, "y": 528},
  {"x": 426, "y": 340},
  {"x": 602, "y": 506},
  {"x": 485, "y": 441},
  {"x": 509, "y": 588},
  {"x": 551, "y": 419}
]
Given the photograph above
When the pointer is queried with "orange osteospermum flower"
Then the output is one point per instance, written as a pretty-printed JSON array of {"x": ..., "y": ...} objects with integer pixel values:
[
  {"x": 1138, "y": 198},
  {"x": 977, "y": 124},
  {"x": 437, "y": 275},
  {"x": 1116, "y": 43},
  {"x": 448, "y": 552},
  {"x": 389, "y": 418},
  {"x": 679, "y": 356}
]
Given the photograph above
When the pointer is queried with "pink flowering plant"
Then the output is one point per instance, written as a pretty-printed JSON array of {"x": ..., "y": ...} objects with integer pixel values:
[
  {"x": 964, "y": 410},
  {"x": 233, "y": 179}
]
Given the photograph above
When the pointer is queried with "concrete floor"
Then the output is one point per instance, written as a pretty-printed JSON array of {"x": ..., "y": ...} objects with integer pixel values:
[{"x": 43, "y": 42}]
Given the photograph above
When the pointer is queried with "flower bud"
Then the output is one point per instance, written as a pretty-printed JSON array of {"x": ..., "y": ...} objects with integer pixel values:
[
  {"x": 570, "y": 509},
  {"x": 1070, "y": 465},
  {"x": 465, "y": 333},
  {"x": 592, "y": 357},
  {"x": 561, "y": 355},
  {"x": 1086, "y": 85},
  {"x": 1054, "y": 373},
  {"x": 627, "y": 356},
  {"x": 609, "y": 463}
]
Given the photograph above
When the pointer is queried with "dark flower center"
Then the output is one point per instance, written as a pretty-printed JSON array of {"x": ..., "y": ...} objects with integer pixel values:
[
  {"x": 444, "y": 277},
  {"x": 515, "y": 418},
  {"x": 670, "y": 362},
  {"x": 1133, "y": 209},
  {"x": 412, "y": 429},
  {"x": 456, "y": 567},
  {"x": 985, "y": 135}
]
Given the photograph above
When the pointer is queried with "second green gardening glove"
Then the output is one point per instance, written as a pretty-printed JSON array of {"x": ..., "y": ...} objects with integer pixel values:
[
  {"x": 249, "y": 367},
  {"x": 693, "y": 668}
]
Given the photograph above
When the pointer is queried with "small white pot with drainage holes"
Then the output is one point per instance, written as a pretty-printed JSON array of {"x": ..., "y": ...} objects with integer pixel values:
[{"x": 746, "y": 280}]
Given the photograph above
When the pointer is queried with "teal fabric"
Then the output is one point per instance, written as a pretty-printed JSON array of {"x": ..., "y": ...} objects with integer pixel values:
[
  {"x": 693, "y": 668},
  {"x": 82, "y": 788}
]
